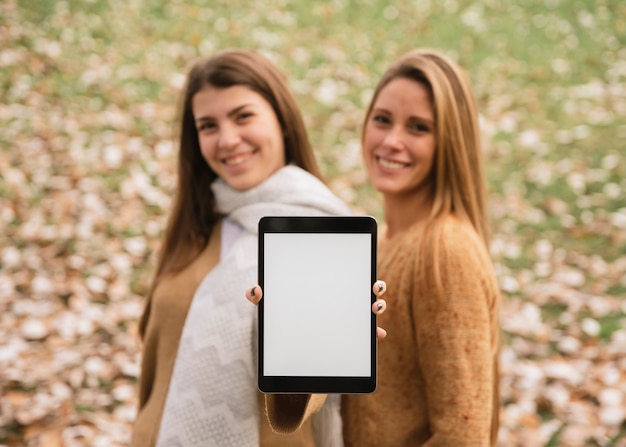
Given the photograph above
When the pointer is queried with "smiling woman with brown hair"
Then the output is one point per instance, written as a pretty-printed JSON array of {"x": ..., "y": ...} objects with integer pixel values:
[{"x": 243, "y": 153}]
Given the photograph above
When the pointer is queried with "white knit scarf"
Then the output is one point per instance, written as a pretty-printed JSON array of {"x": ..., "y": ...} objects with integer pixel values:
[{"x": 213, "y": 396}]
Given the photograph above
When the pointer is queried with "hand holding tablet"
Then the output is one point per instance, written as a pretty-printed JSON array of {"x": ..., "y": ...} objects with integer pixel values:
[
  {"x": 317, "y": 332},
  {"x": 254, "y": 294}
]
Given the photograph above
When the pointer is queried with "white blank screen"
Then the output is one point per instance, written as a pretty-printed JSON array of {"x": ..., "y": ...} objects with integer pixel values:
[{"x": 317, "y": 304}]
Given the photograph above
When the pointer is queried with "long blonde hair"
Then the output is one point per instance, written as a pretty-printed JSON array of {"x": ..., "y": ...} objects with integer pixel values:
[{"x": 459, "y": 187}]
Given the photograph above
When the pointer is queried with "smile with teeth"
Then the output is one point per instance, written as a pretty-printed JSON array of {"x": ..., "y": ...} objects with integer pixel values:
[
  {"x": 390, "y": 164},
  {"x": 237, "y": 159}
]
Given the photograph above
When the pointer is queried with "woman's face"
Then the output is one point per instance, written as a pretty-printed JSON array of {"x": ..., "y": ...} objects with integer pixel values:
[
  {"x": 399, "y": 139},
  {"x": 239, "y": 135}
]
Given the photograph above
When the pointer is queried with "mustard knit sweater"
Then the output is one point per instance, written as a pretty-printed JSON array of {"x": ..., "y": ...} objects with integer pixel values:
[{"x": 438, "y": 366}]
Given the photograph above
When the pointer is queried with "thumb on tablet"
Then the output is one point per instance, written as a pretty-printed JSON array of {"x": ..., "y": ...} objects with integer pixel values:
[{"x": 254, "y": 294}]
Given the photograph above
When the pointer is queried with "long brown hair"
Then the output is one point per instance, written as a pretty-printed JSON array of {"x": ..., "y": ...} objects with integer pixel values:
[
  {"x": 458, "y": 184},
  {"x": 193, "y": 214}
]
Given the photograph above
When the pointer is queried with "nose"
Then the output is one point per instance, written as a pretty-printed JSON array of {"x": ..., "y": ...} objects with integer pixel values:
[
  {"x": 229, "y": 137},
  {"x": 394, "y": 139}
]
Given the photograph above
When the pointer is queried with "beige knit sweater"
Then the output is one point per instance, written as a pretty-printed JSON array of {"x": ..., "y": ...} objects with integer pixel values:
[
  {"x": 165, "y": 314},
  {"x": 438, "y": 367}
]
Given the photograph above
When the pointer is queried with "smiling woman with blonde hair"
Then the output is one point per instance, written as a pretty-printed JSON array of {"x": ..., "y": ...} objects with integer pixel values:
[
  {"x": 438, "y": 382},
  {"x": 438, "y": 372}
]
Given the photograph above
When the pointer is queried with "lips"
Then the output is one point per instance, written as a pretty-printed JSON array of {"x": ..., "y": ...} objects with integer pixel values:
[
  {"x": 237, "y": 159},
  {"x": 391, "y": 164}
]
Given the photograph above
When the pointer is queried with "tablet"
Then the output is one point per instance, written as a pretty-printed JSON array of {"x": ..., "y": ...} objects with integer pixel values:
[{"x": 317, "y": 331}]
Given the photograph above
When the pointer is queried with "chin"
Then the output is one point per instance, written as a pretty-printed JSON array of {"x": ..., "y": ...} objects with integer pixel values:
[
  {"x": 390, "y": 186},
  {"x": 384, "y": 187},
  {"x": 238, "y": 184}
]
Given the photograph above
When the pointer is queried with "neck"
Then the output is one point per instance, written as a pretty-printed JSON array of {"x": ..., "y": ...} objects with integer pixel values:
[{"x": 401, "y": 212}]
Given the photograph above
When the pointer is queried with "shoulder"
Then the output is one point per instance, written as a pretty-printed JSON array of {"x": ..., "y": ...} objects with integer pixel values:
[
  {"x": 457, "y": 234},
  {"x": 461, "y": 261},
  {"x": 456, "y": 242}
]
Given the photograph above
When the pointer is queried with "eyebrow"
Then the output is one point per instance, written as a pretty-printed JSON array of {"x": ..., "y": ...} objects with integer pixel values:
[
  {"x": 412, "y": 117},
  {"x": 234, "y": 111}
]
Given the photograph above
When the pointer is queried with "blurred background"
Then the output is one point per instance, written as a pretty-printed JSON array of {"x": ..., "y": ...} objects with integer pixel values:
[{"x": 88, "y": 97}]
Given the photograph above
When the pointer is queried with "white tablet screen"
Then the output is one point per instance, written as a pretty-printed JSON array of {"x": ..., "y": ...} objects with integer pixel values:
[{"x": 317, "y": 304}]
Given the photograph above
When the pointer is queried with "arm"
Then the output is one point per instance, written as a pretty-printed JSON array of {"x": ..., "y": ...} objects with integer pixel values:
[
  {"x": 456, "y": 345},
  {"x": 287, "y": 412}
]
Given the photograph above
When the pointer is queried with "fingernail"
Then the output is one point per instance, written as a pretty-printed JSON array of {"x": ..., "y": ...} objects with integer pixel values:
[
  {"x": 380, "y": 306},
  {"x": 252, "y": 292},
  {"x": 380, "y": 287}
]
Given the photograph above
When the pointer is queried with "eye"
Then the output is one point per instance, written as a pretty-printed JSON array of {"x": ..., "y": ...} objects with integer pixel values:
[
  {"x": 419, "y": 127},
  {"x": 381, "y": 119},
  {"x": 244, "y": 116},
  {"x": 205, "y": 126}
]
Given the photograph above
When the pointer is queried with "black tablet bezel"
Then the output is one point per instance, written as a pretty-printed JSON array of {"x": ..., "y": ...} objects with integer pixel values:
[{"x": 317, "y": 384}]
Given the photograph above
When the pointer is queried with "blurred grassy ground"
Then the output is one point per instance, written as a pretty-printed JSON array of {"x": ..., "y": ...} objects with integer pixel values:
[{"x": 88, "y": 95}]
